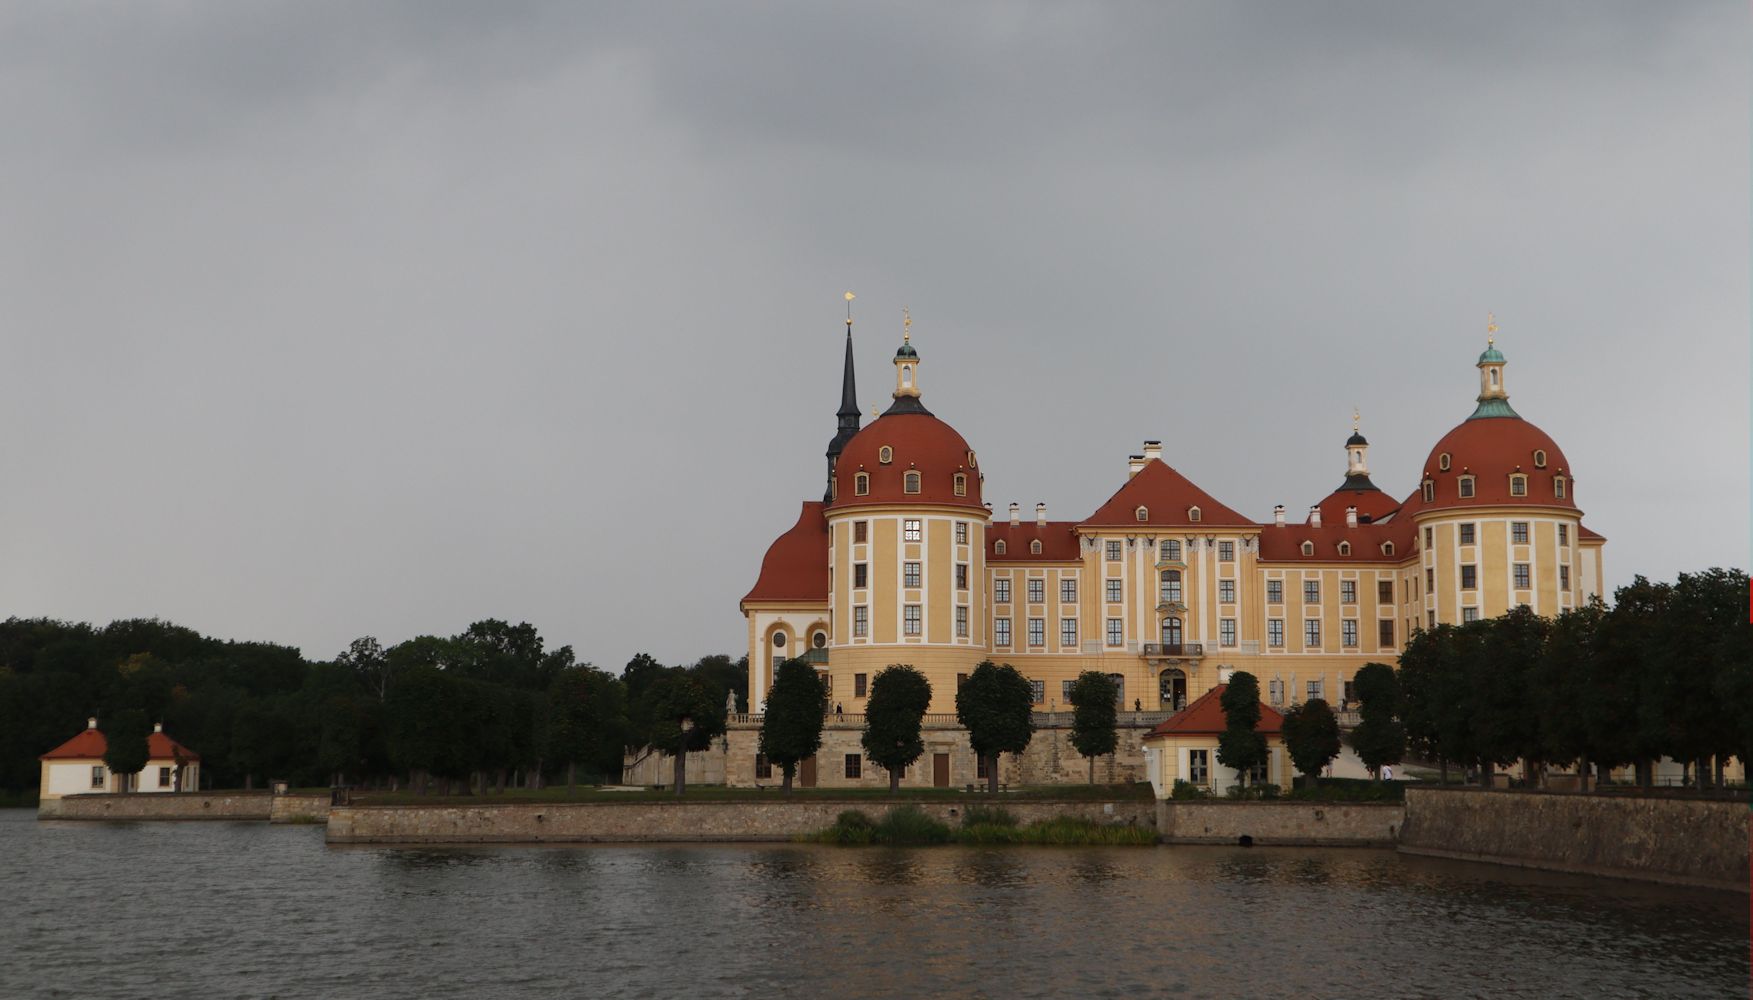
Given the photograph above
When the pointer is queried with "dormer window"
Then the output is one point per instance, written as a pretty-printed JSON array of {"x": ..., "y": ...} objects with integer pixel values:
[
  {"x": 833, "y": 488},
  {"x": 1466, "y": 487},
  {"x": 1429, "y": 491},
  {"x": 1035, "y": 546},
  {"x": 1558, "y": 487},
  {"x": 1345, "y": 548},
  {"x": 1142, "y": 513},
  {"x": 1442, "y": 461},
  {"x": 1308, "y": 548},
  {"x": 1192, "y": 513},
  {"x": 885, "y": 454},
  {"x": 961, "y": 483},
  {"x": 1387, "y": 548},
  {"x": 910, "y": 483},
  {"x": 1539, "y": 458},
  {"x": 1518, "y": 485},
  {"x": 998, "y": 547},
  {"x": 971, "y": 463},
  {"x": 861, "y": 484}
]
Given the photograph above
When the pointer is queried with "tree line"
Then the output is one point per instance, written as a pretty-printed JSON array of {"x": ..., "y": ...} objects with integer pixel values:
[{"x": 490, "y": 706}]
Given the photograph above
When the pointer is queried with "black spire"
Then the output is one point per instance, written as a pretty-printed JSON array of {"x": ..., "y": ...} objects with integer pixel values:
[{"x": 848, "y": 414}]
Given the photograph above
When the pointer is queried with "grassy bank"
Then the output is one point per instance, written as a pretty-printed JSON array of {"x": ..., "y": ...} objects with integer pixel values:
[
  {"x": 981, "y": 825},
  {"x": 1139, "y": 791}
]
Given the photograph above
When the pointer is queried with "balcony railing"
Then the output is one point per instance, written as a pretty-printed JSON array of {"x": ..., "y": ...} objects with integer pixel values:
[{"x": 1174, "y": 650}]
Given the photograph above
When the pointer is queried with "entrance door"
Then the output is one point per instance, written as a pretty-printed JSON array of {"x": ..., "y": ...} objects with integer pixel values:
[
  {"x": 940, "y": 770},
  {"x": 806, "y": 773},
  {"x": 1172, "y": 689}
]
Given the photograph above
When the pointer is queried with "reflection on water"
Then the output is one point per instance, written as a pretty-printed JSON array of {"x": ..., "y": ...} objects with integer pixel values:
[{"x": 249, "y": 910}]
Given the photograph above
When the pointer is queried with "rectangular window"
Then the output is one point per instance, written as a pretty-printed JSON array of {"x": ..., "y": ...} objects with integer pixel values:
[
  {"x": 1564, "y": 534},
  {"x": 1171, "y": 550},
  {"x": 1467, "y": 534},
  {"x": 1312, "y": 633},
  {"x": 910, "y": 620},
  {"x": 1519, "y": 532},
  {"x": 1469, "y": 577},
  {"x": 1113, "y": 549},
  {"x": 1314, "y": 690},
  {"x": 1348, "y": 633},
  {"x": 1226, "y": 591},
  {"x": 1564, "y": 577},
  {"x": 854, "y": 766},
  {"x": 1068, "y": 591},
  {"x": 1466, "y": 487},
  {"x": 980, "y": 766},
  {"x": 1116, "y": 632},
  {"x": 1065, "y": 691},
  {"x": 1275, "y": 691},
  {"x": 1385, "y": 633},
  {"x": 1037, "y": 692},
  {"x": 1274, "y": 591},
  {"x": 961, "y": 532},
  {"x": 1257, "y": 773},
  {"x": 1429, "y": 580},
  {"x": 860, "y": 685},
  {"x": 1348, "y": 693},
  {"x": 1226, "y": 632},
  {"x": 1198, "y": 767},
  {"x": 910, "y": 530},
  {"x": 1518, "y": 486},
  {"x": 1522, "y": 576},
  {"x": 1384, "y": 592},
  {"x": 1113, "y": 591},
  {"x": 961, "y": 576},
  {"x": 1469, "y": 614},
  {"x": 1037, "y": 631},
  {"x": 1169, "y": 589},
  {"x": 1429, "y": 535},
  {"x": 1068, "y": 633},
  {"x": 860, "y": 621},
  {"x": 910, "y": 574},
  {"x": 1001, "y": 631},
  {"x": 164, "y": 777},
  {"x": 1275, "y": 633},
  {"x": 763, "y": 767},
  {"x": 97, "y": 776},
  {"x": 961, "y": 621},
  {"x": 1037, "y": 591},
  {"x": 861, "y": 531},
  {"x": 1226, "y": 551},
  {"x": 1311, "y": 591},
  {"x": 860, "y": 575},
  {"x": 960, "y": 680},
  {"x": 1348, "y": 592},
  {"x": 1431, "y": 614},
  {"x": 1001, "y": 591}
]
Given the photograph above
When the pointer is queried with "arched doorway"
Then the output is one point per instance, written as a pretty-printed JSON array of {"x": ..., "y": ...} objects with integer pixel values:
[{"x": 1172, "y": 689}]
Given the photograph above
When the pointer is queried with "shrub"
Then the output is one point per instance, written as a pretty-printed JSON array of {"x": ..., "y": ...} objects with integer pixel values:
[
  {"x": 1184, "y": 790},
  {"x": 988, "y": 816},
  {"x": 910, "y": 825},
  {"x": 1260, "y": 791}
]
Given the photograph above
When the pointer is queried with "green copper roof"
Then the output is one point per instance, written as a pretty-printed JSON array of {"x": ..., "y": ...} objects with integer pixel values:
[
  {"x": 1494, "y": 407},
  {"x": 1491, "y": 356},
  {"x": 906, "y": 351}
]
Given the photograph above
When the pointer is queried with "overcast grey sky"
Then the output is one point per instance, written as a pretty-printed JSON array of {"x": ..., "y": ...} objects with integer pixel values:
[{"x": 332, "y": 320}]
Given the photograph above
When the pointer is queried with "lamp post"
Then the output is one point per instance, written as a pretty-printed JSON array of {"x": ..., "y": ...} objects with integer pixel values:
[{"x": 686, "y": 723}]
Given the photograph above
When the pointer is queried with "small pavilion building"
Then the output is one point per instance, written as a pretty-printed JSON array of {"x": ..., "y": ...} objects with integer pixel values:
[
  {"x": 1183, "y": 747},
  {"x": 76, "y": 767}
]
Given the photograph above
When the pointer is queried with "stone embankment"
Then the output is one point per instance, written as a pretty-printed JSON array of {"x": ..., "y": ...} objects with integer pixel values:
[
  {"x": 1322, "y": 824},
  {"x": 663, "y": 822},
  {"x": 1673, "y": 840},
  {"x": 230, "y": 805}
]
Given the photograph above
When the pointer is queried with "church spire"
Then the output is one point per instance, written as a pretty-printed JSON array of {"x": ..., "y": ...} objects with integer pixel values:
[{"x": 849, "y": 417}]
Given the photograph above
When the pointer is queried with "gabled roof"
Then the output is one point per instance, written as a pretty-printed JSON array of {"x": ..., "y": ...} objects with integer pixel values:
[
  {"x": 1587, "y": 533},
  {"x": 1204, "y": 717},
  {"x": 1284, "y": 542},
  {"x": 796, "y": 565},
  {"x": 1058, "y": 541},
  {"x": 91, "y": 745},
  {"x": 1166, "y": 496}
]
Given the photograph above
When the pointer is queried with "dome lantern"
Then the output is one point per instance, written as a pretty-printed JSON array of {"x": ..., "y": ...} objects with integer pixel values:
[{"x": 1494, "y": 397}]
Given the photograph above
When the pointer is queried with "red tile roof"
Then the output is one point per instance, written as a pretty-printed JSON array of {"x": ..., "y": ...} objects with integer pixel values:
[
  {"x": 1058, "y": 541},
  {"x": 1584, "y": 531},
  {"x": 1166, "y": 496},
  {"x": 796, "y": 565},
  {"x": 90, "y": 745},
  {"x": 1489, "y": 449},
  {"x": 1373, "y": 504},
  {"x": 1284, "y": 543},
  {"x": 918, "y": 442},
  {"x": 1204, "y": 717}
]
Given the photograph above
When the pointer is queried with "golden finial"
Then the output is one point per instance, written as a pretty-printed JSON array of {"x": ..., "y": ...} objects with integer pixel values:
[
  {"x": 1490, "y": 330},
  {"x": 849, "y": 298},
  {"x": 906, "y": 325},
  {"x": 1355, "y": 417},
  {"x": 873, "y": 411}
]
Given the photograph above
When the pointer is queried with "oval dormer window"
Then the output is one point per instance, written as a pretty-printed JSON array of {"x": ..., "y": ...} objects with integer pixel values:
[
  {"x": 1442, "y": 461},
  {"x": 1539, "y": 458},
  {"x": 910, "y": 483},
  {"x": 971, "y": 463},
  {"x": 885, "y": 454}
]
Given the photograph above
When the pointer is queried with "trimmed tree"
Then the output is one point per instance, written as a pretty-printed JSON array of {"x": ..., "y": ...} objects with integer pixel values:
[
  {"x": 1093, "y": 697},
  {"x": 994, "y": 705},
  {"x": 1240, "y": 745},
  {"x": 125, "y": 752},
  {"x": 1311, "y": 737},
  {"x": 899, "y": 696},
  {"x": 676, "y": 696},
  {"x": 791, "y": 728},
  {"x": 1380, "y": 738}
]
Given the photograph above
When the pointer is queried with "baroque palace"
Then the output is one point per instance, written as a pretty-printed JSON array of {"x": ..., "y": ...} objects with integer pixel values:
[{"x": 1163, "y": 587}]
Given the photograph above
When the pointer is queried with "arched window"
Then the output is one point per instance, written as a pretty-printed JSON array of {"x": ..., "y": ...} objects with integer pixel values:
[
  {"x": 1172, "y": 689},
  {"x": 961, "y": 483},
  {"x": 1518, "y": 486},
  {"x": 1192, "y": 513},
  {"x": 1357, "y": 455},
  {"x": 1442, "y": 461},
  {"x": 910, "y": 483},
  {"x": 1558, "y": 487},
  {"x": 885, "y": 454},
  {"x": 1387, "y": 548},
  {"x": 1169, "y": 586},
  {"x": 1539, "y": 458},
  {"x": 1308, "y": 548},
  {"x": 1035, "y": 546},
  {"x": 861, "y": 484},
  {"x": 906, "y": 375},
  {"x": 1345, "y": 548},
  {"x": 998, "y": 547},
  {"x": 1429, "y": 491},
  {"x": 1494, "y": 376},
  {"x": 1142, "y": 513},
  {"x": 1466, "y": 487}
]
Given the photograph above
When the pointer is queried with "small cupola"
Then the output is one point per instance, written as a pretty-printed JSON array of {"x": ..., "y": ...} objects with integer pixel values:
[
  {"x": 1494, "y": 396},
  {"x": 906, "y": 361}
]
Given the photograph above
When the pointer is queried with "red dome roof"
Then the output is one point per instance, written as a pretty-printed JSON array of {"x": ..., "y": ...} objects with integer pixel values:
[
  {"x": 1491, "y": 449},
  {"x": 796, "y": 565},
  {"x": 918, "y": 442}
]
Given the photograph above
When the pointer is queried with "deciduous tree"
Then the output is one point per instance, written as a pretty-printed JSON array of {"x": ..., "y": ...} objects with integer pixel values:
[
  {"x": 791, "y": 728},
  {"x": 1311, "y": 737},
  {"x": 1094, "y": 715},
  {"x": 1240, "y": 745},
  {"x": 995, "y": 704},
  {"x": 125, "y": 750},
  {"x": 899, "y": 696}
]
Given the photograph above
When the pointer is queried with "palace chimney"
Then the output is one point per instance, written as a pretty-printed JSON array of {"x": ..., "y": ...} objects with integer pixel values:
[
  {"x": 1133, "y": 464},
  {"x": 1351, "y": 517},
  {"x": 1016, "y": 513},
  {"x": 1040, "y": 515},
  {"x": 1278, "y": 515},
  {"x": 1153, "y": 451},
  {"x": 1315, "y": 516}
]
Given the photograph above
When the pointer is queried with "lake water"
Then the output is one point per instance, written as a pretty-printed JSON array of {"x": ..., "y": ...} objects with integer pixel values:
[{"x": 252, "y": 910}]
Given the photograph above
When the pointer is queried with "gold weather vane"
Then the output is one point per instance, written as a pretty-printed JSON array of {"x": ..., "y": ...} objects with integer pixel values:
[
  {"x": 1490, "y": 330},
  {"x": 1355, "y": 417},
  {"x": 849, "y": 298},
  {"x": 906, "y": 325}
]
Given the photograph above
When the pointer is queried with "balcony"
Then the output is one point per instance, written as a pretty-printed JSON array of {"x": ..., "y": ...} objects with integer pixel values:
[
  {"x": 1173, "y": 650},
  {"x": 819, "y": 657}
]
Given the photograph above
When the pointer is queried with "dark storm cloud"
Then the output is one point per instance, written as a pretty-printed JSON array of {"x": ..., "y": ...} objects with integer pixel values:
[{"x": 338, "y": 319}]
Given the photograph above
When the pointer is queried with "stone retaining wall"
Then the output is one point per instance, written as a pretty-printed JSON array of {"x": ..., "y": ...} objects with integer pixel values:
[
  {"x": 231, "y": 805},
  {"x": 1681, "y": 841},
  {"x": 660, "y": 822},
  {"x": 1326, "y": 824}
]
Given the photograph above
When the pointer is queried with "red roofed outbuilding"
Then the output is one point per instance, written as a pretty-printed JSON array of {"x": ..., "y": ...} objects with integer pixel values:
[
  {"x": 76, "y": 767},
  {"x": 1183, "y": 747}
]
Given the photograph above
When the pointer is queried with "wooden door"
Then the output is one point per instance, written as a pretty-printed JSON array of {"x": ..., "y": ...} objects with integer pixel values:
[
  {"x": 806, "y": 773},
  {"x": 940, "y": 770}
]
